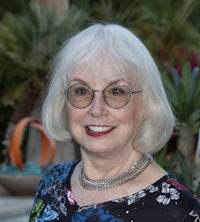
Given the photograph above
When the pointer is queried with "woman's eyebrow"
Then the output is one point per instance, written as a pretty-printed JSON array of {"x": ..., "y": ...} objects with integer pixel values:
[
  {"x": 79, "y": 80},
  {"x": 87, "y": 83}
]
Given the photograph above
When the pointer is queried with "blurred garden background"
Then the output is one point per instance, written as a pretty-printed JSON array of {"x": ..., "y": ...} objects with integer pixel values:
[{"x": 32, "y": 30}]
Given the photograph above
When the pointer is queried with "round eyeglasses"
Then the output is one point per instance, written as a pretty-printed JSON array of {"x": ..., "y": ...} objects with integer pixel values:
[{"x": 115, "y": 95}]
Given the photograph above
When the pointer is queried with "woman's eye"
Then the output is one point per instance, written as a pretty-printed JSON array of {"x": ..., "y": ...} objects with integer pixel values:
[
  {"x": 117, "y": 91},
  {"x": 81, "y": 91}
]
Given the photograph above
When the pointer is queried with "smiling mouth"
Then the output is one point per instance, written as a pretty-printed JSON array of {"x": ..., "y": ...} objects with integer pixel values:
[{"x": 98, "y": 130}]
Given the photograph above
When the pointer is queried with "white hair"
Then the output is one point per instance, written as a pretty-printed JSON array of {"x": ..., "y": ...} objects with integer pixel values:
[{"x": 126, "y": 55}]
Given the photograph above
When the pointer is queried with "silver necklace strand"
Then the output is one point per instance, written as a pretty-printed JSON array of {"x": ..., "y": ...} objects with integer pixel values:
[{"x": 125, "y": 177}]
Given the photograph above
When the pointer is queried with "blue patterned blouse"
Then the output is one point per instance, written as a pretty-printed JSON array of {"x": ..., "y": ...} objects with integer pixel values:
[{"x": 166, "y": 200}]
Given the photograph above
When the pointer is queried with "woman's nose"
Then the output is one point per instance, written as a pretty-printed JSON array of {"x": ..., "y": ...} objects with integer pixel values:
[{"x": 98, "y": 105}]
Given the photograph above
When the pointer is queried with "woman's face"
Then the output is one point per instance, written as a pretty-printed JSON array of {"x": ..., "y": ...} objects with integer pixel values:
[{"x": 98, "y": 128}]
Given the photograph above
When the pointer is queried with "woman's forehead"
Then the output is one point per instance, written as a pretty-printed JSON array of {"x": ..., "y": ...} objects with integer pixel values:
[{"x": 104, "y": 73}]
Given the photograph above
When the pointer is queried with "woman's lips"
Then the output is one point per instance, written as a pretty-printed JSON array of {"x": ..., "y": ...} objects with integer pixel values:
[{"x": 96, "y": 131}]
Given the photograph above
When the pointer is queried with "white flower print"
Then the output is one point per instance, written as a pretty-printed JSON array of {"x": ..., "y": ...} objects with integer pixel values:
[
  {"x": 136, "y": 197},
  {"x": 168, "y": 194},
  {"x": 152, "y": 189},
  {"x": 196, "y": 215},
  {"x": 59, "y": 196}
]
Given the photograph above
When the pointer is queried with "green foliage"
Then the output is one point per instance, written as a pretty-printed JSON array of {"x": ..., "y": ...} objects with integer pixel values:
[
  {"x": 16, "y": 7},
  {"x": 175, "y": 163},
  {"x": 184, "y": 93},
  {"x": 184, "y": 175},
  {"x": 167, "y": 27},
  {"x": 198, "y": 192},
  {"x": 27, "y": 44},
  {"x": 165, "y": 160}
]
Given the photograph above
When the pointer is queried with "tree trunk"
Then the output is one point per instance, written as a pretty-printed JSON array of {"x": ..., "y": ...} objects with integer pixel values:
[
  {"x": 186, "y": 143},
  {"x": 59, "y": 6}
]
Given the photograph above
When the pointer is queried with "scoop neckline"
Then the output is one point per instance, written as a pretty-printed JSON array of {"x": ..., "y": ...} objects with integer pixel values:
[{"x": 110, "y": 202}]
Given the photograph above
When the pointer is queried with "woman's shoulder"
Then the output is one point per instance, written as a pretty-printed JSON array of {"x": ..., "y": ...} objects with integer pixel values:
[
  {"x": 62, "y": 166},
  {"x": 56, "y": 174},
  {"x": 174, "y": 191},
  {"x": 60, "y": 171},
  {"x": 182, "y": 189},
  {"x": 170, "y": 185}
]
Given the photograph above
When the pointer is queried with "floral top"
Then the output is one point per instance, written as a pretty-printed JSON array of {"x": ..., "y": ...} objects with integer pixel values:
[{"x": 166, "y": 200}]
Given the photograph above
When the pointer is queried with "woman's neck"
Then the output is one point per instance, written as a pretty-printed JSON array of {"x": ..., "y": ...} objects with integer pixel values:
[{"x": 105, "y": 166}]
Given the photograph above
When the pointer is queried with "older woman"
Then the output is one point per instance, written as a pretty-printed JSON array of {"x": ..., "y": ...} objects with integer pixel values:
[{"x": 106, "y": 93}]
